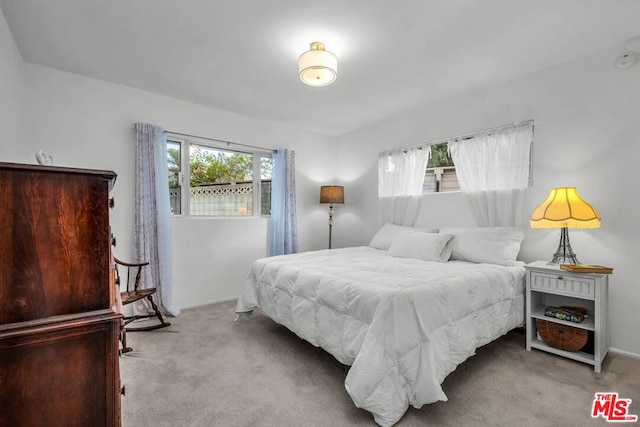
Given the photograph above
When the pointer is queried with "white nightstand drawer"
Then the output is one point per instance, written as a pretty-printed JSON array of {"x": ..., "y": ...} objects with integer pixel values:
[{"x": 563, "y": 284}]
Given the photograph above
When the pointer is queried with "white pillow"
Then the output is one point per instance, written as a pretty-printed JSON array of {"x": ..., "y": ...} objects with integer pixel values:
[
  {"x": 384, "y": 236},
  {"x": 493, "y": 245},
  {"x": 420, "y": 245}
]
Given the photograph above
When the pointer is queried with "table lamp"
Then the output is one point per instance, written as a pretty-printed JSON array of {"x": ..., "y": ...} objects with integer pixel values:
[
  {"x": 564, "y": 208},
  {"x": 332, "y": 194}
]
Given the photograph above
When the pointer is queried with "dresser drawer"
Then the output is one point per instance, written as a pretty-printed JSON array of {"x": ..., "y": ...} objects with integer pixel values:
[{"x": 560, "y": 284}]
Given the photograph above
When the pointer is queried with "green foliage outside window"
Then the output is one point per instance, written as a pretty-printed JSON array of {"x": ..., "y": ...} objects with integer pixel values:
[
  {"x": 213, "y": 167},
  {"x": 209, "y": 167},
  {"x": 173, "y": 160},
  {"x": 440, "y": 156}
]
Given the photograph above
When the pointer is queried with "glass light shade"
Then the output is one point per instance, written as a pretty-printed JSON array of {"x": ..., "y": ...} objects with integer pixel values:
[
  {"x": 317, "y": 66},
  {"x": 565, "y": 208},
  {"x": 332, "y": 194}
]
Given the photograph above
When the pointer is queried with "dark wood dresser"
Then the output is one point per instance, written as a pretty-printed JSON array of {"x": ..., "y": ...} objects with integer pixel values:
[{"x": 59, "y": 335}]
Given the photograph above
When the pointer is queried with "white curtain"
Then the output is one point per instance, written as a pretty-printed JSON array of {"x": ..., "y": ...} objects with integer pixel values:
[
  {"x": 493, "y": 171},
  {"x": 401, "y": 173},
  {"x": 400, "y": 210},
  {"x": 284, "y": 231},
  {"x": 152, "y": 240},
  {"x": 400, "y": 179}
]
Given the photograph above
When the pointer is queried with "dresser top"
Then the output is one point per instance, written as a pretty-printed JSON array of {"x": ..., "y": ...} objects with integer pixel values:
[
  {"x": 104, "y": 174},
  {"x": 43, "y": 168}
]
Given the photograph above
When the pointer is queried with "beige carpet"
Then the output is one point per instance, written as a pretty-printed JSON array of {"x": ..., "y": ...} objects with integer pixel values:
[{"x": 206, "y": 370}]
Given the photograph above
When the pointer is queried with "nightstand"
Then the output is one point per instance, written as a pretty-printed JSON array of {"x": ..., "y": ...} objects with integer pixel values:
[{"x": 549, "y": 285}]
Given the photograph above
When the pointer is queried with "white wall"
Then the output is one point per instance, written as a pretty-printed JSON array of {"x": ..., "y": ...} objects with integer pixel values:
[
  {"x": 587, "y": 125},
  {"x": 587, "y": 134},
  {"x": 11, "y": 92},
  {"x": 87, "y": 123}
]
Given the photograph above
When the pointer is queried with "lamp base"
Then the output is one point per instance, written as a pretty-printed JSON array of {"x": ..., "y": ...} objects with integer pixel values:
[
  {"x": 564, "y": 254},
  {"x": 330, "y": 222}
]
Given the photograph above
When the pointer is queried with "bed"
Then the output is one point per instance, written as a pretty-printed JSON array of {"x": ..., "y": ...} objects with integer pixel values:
[{"x": 402, "y": 320}]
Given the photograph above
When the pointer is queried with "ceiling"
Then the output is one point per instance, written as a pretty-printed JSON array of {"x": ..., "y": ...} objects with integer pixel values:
[{"x": 241, "y": 55}]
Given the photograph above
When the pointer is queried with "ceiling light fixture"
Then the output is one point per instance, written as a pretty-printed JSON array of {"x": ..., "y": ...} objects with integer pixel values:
[{"x": 317, "y": 66}]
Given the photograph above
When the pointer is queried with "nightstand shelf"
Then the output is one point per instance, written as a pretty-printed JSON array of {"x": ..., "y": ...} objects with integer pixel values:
[
  {"x": 580, "y": 356},
  {"x": 588, "y": 323},
  {"x": 548, "y": 285}
]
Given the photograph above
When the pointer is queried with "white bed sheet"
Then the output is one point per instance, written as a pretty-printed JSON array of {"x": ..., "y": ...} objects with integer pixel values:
[{"x": 402, "y": 324}]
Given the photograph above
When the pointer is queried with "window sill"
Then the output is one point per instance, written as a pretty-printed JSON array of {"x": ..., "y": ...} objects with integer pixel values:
[{"x": 235, "y": 217}]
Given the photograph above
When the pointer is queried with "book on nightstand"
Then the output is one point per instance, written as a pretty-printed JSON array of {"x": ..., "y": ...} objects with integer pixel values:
[{"x": 586, "y": 268}]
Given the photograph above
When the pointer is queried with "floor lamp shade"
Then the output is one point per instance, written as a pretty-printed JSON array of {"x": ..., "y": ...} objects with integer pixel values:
[
  {"x": 564, "y": 209},
  {"x": 332, "y": 194}
]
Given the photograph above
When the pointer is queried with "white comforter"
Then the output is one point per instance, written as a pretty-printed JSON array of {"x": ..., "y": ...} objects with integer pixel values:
[{"x": 402, "y": 324}]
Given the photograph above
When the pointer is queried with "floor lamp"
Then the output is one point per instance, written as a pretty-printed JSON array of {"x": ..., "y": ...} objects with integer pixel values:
[
  {"x": 564, "y": 209},
  {"x": 332, "y": 194}
]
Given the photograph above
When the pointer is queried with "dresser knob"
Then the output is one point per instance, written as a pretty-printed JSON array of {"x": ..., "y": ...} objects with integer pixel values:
[
  {"x": 123, "y": 391},
  {"x": 112, "y": 202},
  {"x": 559, "y": 277},
  {"x": 113, "y": 241}
]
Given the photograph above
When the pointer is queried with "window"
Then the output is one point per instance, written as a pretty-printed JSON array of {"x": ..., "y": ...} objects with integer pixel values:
[
  {"x": 175, "y": 174},
  {"x": 208, "y": 180},
  {"x": 496, "y": 159},
  {"x": 440, "y": 175},
  {"x": 266, "y": 166}
]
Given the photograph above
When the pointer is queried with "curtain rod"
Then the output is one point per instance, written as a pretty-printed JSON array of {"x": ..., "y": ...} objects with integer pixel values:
[
  {"x": 466, "y": 136},
  {"x": 215, "y": 140}
]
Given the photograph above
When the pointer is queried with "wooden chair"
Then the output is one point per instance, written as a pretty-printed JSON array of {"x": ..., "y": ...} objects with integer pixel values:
[{"x": 133, "y": 293}]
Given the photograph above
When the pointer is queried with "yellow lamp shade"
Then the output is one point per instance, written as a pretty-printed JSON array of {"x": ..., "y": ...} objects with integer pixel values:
[{"x": 565, "y": 208}]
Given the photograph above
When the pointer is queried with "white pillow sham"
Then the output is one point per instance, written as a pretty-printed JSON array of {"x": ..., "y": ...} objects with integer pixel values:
[
  {"x": 384, "y": 236},
  {"x": 492, "y": 245},
  {"x": 421, "y": 245}
]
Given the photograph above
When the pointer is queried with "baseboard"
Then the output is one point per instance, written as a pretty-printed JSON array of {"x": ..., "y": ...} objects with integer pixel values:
[
  {"x": 624, "y": 353},
  {"x": 201, "y": 304}
]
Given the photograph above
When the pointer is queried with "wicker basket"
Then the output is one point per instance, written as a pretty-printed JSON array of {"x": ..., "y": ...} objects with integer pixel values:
[{"x": 562, "y": 336}]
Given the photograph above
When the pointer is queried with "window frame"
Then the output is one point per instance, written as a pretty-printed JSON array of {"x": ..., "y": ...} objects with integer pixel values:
[{"x": 184, "y": 177}]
